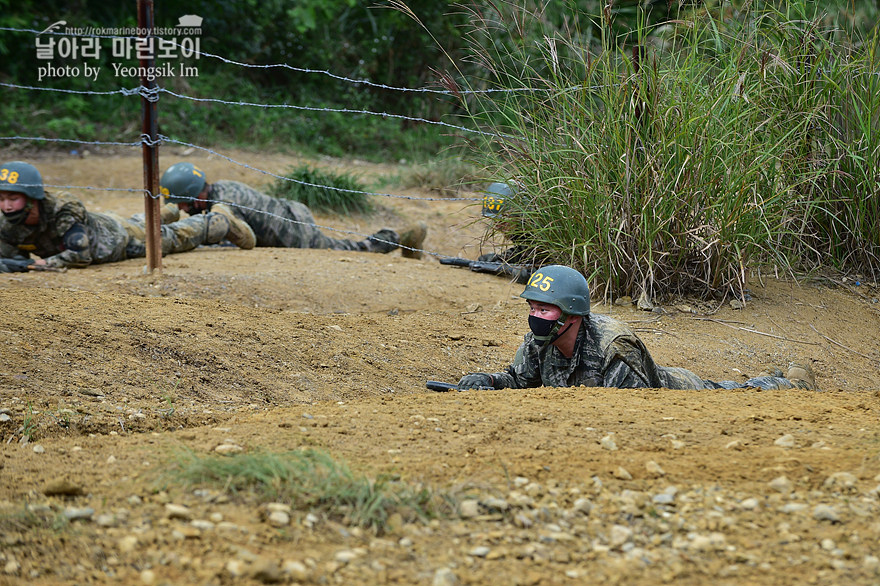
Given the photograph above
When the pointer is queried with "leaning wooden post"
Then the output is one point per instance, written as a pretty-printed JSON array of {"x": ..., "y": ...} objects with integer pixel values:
[{"x": 150, "y": 137}]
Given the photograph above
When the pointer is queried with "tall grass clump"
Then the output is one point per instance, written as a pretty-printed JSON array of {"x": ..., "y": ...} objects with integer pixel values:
[
  {"x": 323, "y": 191},
  {"x": 701, "y": 149},
  {"x": 309, "y": 480}
]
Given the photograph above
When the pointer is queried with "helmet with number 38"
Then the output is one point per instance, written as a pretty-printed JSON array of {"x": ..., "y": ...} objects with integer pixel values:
[
  {"x": 21, "y": 177},
  {"x": 561, "y": 286}
]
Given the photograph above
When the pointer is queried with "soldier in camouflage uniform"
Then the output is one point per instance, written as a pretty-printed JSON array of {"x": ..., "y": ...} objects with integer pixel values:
[
  {"x": 59, "y": 230},
  {"x": 276, "y": 222},
  {"x": 568, "y": 346}
]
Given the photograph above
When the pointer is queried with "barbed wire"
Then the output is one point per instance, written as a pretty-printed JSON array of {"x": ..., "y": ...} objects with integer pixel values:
[
  {"x": 145, "y": 139},
  {"x": 336, "y": 110},
  {"x": 72, "y": 140},
  {"x": 306, "y": 183}
]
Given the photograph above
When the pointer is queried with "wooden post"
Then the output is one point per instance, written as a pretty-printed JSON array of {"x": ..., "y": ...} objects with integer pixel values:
[{"x": 150, "y": 132}]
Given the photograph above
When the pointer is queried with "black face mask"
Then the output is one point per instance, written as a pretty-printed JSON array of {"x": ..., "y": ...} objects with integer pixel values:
[
  {"x": 16, "y": 218},
  {"x": 542, "y": 328}
]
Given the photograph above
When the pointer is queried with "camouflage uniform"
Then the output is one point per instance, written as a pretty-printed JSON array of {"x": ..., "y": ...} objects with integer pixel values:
[
  {"x": 102, "y": 238},
  {"x": 608, "y": 354},
  {"x": 270, "y": 218}
]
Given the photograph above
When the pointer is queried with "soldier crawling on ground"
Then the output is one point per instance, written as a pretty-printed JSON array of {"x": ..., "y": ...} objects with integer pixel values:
[
  {"x": 569, "y": 346},
  {"x": 59, "y": 230},
  {"x": 275, "y": 222}
]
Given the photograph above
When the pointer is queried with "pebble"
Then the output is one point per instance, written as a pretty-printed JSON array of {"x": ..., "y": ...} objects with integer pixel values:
[
  {"x": 749, "y": 504},
  {"x": 781, "y": 484},
  {"x": 38, "y": 449},
  {"x": 654, "y": 469},
  {"x": 825, "y": 513},
  {"x": 296, "y": 570},
  {"x": 12, "y": 567},
  {"x": 236, "y": 568},
  {"x": 663, "y": 499},
  {"x": 346, "y": 556},
  {"x": 786, "y": 441},
  {"x": 841, "y": 480},
  {"x": 128, "y": 544},
  {"x": 279, "y": 519},
  {"x": 105, "y": 520},
  {"x": 608, "y": 442},
  {"x": 74, "y": 514},
  {"x": 468, "y": 509},
  {"x": 148, "y": 577},
  {"x": 202, "y": 525},
  {"x": 178, "y": 512},
  {"x": 4, "y": 418},
  {"x": 583, "y": 505},
  {"x": 495, "y": 504},
  {"x": 444, "y": 577},
  {"x": 619, "y": 535},
  {"x": 793, "y": 508},
  {"x": 480, "y": 551},
  {"x": 622, "y": 474},
  {"x": 228, "y": 449}
]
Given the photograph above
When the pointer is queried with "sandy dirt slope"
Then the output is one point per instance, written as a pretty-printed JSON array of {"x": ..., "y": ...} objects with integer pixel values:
[{"x": 108, "y": 372}]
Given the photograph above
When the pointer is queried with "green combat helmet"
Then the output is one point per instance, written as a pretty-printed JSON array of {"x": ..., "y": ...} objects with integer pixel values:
[
  {"x": 561, "y": 286},
  {"x": 182, "y": 182},
  {"x": 22, "y": 177},
  {"x": 493, "y": 199}
]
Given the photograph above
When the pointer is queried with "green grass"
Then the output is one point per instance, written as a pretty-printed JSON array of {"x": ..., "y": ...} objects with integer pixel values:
[
  {"x": 711, "y": 147},
  {"x": 310, "y": 480},
  {"x": 323, "y": 191}
]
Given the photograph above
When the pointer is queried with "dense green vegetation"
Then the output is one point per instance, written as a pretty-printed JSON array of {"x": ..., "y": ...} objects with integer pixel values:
[
  {"x": 701, "y": 149},
  {"x": 323, "y": 191}
]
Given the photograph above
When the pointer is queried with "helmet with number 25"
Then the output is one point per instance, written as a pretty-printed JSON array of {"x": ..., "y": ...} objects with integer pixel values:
[
  {"x": 21, "y": 177},
  {"x": 561, "y": 286}
]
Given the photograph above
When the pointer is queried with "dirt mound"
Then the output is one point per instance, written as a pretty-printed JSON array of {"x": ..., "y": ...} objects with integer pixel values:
[{"x": 107, "y": 371}]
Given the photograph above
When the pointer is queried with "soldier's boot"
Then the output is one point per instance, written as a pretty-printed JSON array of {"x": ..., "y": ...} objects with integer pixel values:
[
  {"x": 411, "y": 240},
  {"x": 216, "y": 228},
  {"x": 239, "y": 232},
  {"x": 772, "y": 371},
  {"x": 383, "y": 241},
  {"x": 169, "y": 213},
  {"x": 802, "y": 375}
]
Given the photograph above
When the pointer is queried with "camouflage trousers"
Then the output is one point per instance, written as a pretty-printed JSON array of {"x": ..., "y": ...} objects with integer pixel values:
[
  {"x": 180, "y": 236},
  {"x": 681, "y": 378}
]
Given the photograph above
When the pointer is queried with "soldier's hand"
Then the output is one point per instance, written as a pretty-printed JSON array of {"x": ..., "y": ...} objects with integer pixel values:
[{"x": 477, "y": 380}]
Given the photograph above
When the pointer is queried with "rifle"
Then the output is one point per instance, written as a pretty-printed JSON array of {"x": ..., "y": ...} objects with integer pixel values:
[
  {"x": 520, "y": 273},
  {"x": 15, "y": 265},
  {"x": 442, "y": 387}
]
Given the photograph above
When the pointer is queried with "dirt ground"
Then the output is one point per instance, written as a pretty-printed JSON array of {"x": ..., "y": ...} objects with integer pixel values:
[{"x": 106, "y": 371}]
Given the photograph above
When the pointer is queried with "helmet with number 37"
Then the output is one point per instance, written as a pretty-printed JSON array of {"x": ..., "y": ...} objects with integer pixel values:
[
  {"x": 561, "y": 286},
  {"x": 493, "y": 199},
  {"x": 21, "y": 177}
]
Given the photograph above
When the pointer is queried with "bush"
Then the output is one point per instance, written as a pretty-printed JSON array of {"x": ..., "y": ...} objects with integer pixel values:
[
  {"x": 708, "y": 147},
  {"x": 310, "y": 481},
  {"x": 323, "y": 191}
]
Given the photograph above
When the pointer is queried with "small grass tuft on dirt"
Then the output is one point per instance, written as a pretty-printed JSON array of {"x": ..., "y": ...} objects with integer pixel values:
[
  {"x": 311, "y": 480},
  {"x": 323, "y": 191}
]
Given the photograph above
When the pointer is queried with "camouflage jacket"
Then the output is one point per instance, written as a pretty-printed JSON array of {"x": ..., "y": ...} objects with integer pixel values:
[
  {"x": 606, "y": 354},
  {"x": 104, "y": 238},
  {"x": 269, "y": 217}
]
